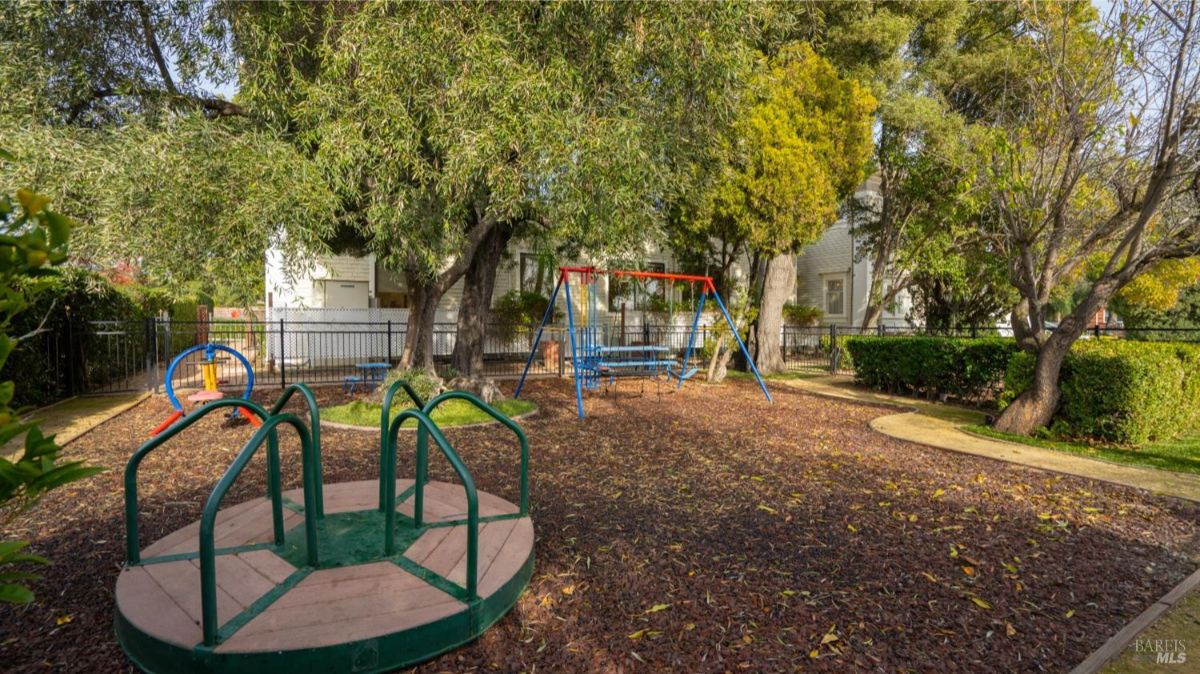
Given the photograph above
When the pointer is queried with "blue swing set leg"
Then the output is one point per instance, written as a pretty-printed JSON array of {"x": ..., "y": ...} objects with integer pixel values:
[
  {"x": 742, "y": 346},
  {"x": 537, "y": 339},
  {"x": 687, "y": 356}
]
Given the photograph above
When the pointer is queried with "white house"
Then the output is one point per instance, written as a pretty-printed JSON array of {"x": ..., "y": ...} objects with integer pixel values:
[
  {"x": 359, "y": 288},
  {"x": 827, "y": 277}
]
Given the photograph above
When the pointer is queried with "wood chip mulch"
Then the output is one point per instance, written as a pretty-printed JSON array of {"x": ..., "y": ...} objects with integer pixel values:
[{"x": 696, "y": 531}]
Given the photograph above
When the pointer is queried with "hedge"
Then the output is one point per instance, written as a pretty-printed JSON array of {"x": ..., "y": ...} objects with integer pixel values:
[
  {"x": 962, "y": 368},
  {"x": 1120, "y": 391},
  {"x": 75, "y": 297}
]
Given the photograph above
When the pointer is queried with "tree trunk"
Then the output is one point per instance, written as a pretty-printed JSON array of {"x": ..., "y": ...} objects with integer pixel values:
[
  {"x": 778, "y": 281},
  {"x": 424, "y": 297},
  {"x": 475, "y": 307},
  {"x": 718, "y": 364},
  {"x": 875, "y": 297},
  {"x": 1035, "y": 406}
]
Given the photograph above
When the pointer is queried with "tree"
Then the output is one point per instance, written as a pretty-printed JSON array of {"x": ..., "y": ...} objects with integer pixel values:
[
  {"x": 161, "y": 174},
  {"x": 792, "y": 156},
  {"x": 446, "y": 129},
  {"x": 1099, "y": 158}
]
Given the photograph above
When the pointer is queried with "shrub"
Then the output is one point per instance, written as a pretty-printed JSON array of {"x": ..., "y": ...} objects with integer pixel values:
[
  {"x": 519, "y": 308},
  {"x": 801, "y": 315},
  {"x": 1120, "y": 391},
  {"x": 962, "y": 368},
  {"x": 63, "y": 305}
]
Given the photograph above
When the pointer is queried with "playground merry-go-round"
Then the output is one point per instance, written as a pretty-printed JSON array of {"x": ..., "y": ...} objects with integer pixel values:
[{"x": 360, "y": 576}]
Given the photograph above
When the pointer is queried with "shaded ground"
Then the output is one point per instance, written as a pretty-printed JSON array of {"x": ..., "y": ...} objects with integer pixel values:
[{"x": 705, "y": 531}]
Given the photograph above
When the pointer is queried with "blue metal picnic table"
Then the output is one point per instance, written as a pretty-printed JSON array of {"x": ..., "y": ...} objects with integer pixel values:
[{"x": 373, "y": 375}]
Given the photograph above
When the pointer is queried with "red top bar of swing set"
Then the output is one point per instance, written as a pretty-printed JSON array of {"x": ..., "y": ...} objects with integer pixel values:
[{"x": 588, "y": 272}]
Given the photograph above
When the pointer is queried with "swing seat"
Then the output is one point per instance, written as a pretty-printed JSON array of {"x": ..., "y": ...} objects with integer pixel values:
[
  {"x": 205, "y": 396},
  {"x": 682, "y": 376}
]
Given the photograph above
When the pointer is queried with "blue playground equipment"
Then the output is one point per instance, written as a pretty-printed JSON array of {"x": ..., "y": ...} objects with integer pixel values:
[
  {"x": 593, "y": 362},
  {"x": 210, "y": 393}
]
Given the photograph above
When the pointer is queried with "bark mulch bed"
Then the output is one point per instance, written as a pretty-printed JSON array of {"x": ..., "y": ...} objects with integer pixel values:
[{"x": 702, "y": 531}]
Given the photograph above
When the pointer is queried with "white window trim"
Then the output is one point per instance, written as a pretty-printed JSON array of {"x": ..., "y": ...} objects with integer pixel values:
[{"x": 825, "y": 279}]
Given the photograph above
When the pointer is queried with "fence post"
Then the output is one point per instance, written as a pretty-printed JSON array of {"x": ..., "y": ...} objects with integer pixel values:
[
  {"x": 282, "y": 359},
  {"x": 148, "y": 349},
  {"x": 880, "y": 329},
  {"x": 70, "y": 355},
  {"x": 389, "y": 338},
  {"x": 561, "y": 357},
  {"x": 1096, "y": 330},
  {"x": 974, "y": 331},
  {"x": 833, "y": 347}
]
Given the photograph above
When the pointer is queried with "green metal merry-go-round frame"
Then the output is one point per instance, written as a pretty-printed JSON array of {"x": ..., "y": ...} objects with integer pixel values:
[{"x": 174, "y": 616}]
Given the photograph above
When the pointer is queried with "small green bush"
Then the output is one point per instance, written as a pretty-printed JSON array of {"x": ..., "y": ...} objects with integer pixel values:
[
  {"x": 962, "y": 368},
  {"x": 519, "y": 308},
  {"x": 1120, "y": 391},
  {"x": 801, "y": 315}
]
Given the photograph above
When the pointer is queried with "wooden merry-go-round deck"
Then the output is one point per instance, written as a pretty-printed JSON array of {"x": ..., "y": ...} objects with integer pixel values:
[{"x": 363, "y": 613}]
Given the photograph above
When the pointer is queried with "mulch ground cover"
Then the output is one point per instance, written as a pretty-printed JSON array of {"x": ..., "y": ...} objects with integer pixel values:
[{"x": 702, "y": 531}]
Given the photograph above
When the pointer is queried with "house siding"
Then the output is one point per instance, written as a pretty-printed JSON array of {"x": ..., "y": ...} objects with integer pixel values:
[{"x": 832, "y": 256}]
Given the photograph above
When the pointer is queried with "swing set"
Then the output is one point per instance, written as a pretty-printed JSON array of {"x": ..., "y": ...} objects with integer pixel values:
[{"x": 594, "y": 361}]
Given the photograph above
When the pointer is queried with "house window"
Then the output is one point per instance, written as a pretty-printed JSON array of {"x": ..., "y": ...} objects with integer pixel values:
[
  {"x": 530, "y": 272},
  {"x": 835, "y": 297},
  {"x": 636, "y": 293}
]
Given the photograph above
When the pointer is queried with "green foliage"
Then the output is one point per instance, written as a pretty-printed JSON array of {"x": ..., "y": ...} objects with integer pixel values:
[
  {"x": 961, "y": 368},
  {"x": 60, "y": 306},
  {"x": 799, "y": 148},
  {"x": 33, "y": 239},
  {"x": 433, "y": 122},
  {"x": 519, "y": 309},
  {"x": 1120, "y": 391},
  {"x": 424, "y": 383},
  {"x": 801, "y": 314},
  {"x": 448, "y": 414}
]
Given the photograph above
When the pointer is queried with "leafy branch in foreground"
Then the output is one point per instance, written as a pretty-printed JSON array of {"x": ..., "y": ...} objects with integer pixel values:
[{"x": 33, "y": 240}]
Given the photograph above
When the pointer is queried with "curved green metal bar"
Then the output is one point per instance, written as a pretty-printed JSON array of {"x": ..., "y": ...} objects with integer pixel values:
[
  {"x": 314, "y": 424},
  {"x": 498, "y": 416},
  {"x": 208, "y": 520},
  {"x": 132, "y": 553},
  {"x": 385, "y": 417},
  {"x": 389, "y": 480}
]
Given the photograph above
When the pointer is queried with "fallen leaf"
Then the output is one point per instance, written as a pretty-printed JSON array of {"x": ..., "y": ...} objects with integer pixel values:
[
  {"x": 658, "y": 607},
  {"x": 980, "y": 602},
  {"x": 569, "y": 590},
  {"x": 637, "y": 635},
  {"x": 1009, "y": 629},
  {"x": 63, "y": 620}
]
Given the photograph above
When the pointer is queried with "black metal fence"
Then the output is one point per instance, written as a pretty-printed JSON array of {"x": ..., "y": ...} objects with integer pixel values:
[{"x": 113, "y": 356}]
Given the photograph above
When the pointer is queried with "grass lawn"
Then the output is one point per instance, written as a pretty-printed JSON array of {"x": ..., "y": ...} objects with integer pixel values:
[
  {"x": 450, "y": 413},
  {"x": 1181, "y": 455},
  {"x": 779, "y": 376}
]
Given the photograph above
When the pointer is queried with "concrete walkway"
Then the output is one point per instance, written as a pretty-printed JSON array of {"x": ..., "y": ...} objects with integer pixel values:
[
  {"x": 939, "y": 426},
  {"x": 73, "y": 417}
]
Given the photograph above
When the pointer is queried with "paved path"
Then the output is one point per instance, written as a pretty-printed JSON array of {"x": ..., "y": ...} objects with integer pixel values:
[
  {"x": 73, "y": 417},
  {"x": 939, "y": 426}
]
